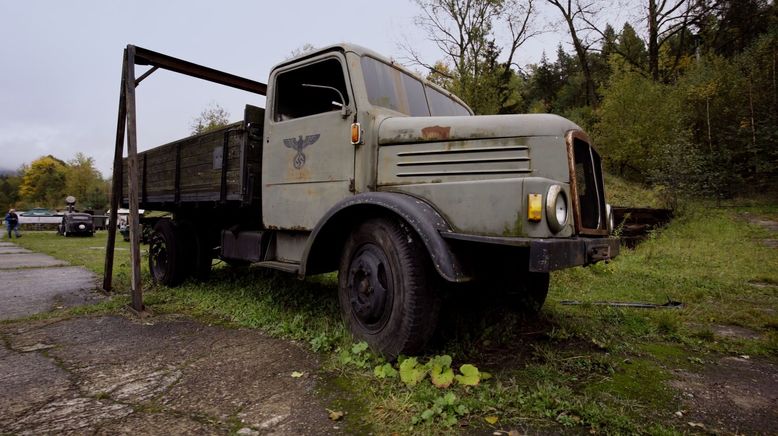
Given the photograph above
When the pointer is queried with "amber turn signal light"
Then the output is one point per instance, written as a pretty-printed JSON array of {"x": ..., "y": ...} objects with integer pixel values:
[
  {"x": 535, "y": 207},
  {"x": 356, "y": 134}
]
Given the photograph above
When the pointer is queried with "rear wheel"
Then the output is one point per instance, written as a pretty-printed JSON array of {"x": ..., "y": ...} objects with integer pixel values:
[
  {"x": 388, "y": 288},
  {"x": 166, "y": 258}
]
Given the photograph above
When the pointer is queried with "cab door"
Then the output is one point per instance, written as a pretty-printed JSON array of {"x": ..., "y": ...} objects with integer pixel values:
[{"x": 308, "y": 162}]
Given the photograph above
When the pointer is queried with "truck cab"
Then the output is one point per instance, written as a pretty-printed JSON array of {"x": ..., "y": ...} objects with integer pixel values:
[{"x": 359, "y": 166}]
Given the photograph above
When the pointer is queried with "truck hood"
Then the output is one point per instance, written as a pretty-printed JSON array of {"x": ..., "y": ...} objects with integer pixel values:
[{"x": 404, "y": 130}]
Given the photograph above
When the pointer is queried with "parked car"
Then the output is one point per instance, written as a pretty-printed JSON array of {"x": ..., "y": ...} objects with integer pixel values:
[
  {"x": 38, "y": 216},
  {"x": 76, "y": 223},
  {"x": 37, "y": 212}
]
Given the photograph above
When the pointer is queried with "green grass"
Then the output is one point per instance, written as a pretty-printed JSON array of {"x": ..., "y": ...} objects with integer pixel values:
[
  {"x": 623, "y": 193},
  {"x": 576, "y": 368}
]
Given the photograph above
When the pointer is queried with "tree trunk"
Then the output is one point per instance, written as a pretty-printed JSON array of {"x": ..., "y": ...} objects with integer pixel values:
[
  {"x": 580, "y": 50},
  {"x": 653, "y": 40}
]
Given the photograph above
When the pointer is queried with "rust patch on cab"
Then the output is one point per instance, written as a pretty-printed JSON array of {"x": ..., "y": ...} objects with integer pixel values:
[{"x": 436, "y": 132}]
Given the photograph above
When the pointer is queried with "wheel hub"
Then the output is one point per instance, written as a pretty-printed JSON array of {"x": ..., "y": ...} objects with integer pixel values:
[
  {"x": 158, "y": 254},
  {"x": 369, "y": 287}
]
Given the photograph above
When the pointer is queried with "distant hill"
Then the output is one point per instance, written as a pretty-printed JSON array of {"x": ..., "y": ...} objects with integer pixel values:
[{"x": 7, "y": 171}]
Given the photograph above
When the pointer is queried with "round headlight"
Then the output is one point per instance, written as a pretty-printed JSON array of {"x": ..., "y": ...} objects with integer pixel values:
[
  {"x": 556, "y": 208},
  {"x": 81, "y": 226}
]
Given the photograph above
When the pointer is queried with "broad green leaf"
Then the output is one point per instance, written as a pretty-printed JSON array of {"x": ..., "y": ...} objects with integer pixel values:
[
  {"x": 385, "y": 370},
  {"x": 491, "y": 419},
  {"x": 470, "y": 375},
  {"x": 410, "y": 371},
  {"x": 443, "y": 361},
  {"x": 427, "y": 414},
  {"x": 442, "y": 379},
  {"x": 359, "y": 347},
  {"x": 344, "y": 357}
]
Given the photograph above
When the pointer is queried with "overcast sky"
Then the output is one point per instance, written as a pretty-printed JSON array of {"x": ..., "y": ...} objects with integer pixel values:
[{"x": 60, "y": 62}]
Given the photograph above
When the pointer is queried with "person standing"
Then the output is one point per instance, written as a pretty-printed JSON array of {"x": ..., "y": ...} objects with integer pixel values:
[{"x": 12, "y": 223}]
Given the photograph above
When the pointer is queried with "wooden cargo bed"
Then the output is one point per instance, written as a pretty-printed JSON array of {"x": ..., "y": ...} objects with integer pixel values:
[{"x": 218, "y": 167}]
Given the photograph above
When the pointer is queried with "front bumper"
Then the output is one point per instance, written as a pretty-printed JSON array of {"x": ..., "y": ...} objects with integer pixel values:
[
  {"x": 550, "y": 254},
  {"x": 553, "y": 254},
  {"x": 75, "y": 228}
]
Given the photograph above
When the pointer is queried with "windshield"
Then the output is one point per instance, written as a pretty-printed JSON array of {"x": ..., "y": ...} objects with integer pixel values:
[{"x": 393, "y": 89}]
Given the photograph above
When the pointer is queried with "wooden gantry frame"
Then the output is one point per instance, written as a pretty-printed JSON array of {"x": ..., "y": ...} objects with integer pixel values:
[{"x": 126, "y": 123}]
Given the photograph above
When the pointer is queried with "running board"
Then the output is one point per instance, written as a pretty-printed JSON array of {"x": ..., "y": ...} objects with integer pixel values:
[{"x": 293, "y": 268}]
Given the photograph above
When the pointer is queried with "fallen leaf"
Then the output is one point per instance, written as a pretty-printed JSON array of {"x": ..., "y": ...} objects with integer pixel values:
[
  {"x": 335, "y": 415},
  {"x": 696, "y": 424},
  {"x": 297, "y": 374},
  {"x": 491, "y": 419},
  {"x": 745, "y": 356}
]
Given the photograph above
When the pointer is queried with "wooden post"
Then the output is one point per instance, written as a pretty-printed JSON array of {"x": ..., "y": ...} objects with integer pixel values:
[
  {"x": 132, "y": 169},
  {"x": 116, "y": 183}
]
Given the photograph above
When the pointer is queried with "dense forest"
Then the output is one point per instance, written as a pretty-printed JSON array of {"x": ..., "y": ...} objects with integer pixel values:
[{"x": 684, "y": 98}]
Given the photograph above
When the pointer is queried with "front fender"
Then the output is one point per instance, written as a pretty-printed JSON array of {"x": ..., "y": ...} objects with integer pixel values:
[{"x": 333, "y": 228}]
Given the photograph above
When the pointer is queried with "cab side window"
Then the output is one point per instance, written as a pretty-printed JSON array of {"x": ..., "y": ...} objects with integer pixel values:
[{"x": 310, "y": 90}]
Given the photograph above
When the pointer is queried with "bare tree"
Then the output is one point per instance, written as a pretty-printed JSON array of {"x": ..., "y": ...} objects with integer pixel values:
[
  {"x": 459, "y": 28},
  {"x": 667, "y": 18},
  {"x": 578, "y": 17},
  {"x": 465, "y": 32},
  {"x": 664, "y": 19}
]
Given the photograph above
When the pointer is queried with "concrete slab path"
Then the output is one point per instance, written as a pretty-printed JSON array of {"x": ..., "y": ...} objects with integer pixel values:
[
  {"x": 33, "y": 283},
  {"x": 158, "y": 375},
  {"x": 116, "y": 375}
]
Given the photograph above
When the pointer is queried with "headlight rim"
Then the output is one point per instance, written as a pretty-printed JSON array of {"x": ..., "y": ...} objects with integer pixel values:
[{"x": 553, "y": 194}]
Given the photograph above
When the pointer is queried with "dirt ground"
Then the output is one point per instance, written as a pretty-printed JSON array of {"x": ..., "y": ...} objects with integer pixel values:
[
  {"x": 108, "y": 375},
  {"x": 734, "y": 395}
]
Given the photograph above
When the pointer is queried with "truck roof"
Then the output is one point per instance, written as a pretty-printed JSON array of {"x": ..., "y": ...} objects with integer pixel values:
[{"x": 359, "y": 50}]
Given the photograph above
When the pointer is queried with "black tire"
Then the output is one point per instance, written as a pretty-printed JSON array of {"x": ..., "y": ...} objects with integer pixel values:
[
  {"x": 388, "y": 289},
  {"x": 166, "y": 257},
  {"x": 199, "y": 251}
]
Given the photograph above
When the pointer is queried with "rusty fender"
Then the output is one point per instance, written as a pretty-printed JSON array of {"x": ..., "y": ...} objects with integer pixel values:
[{"x": 333, "y": 228}]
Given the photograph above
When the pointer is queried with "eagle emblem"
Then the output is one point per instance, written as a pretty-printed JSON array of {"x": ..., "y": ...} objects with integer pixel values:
[{"x": 298, "y": 144}]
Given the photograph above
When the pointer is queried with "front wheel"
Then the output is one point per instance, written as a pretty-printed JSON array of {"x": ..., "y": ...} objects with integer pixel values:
[{"x": 388, "y": 288}]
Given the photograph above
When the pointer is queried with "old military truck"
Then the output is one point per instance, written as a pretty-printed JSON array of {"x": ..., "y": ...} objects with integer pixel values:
[{"x": 356, "y": 165}]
